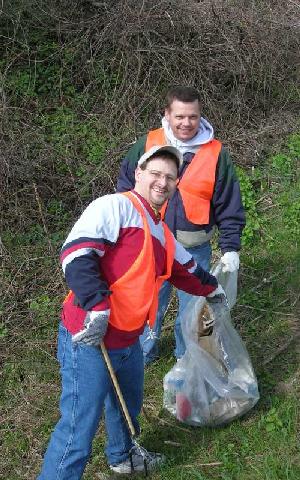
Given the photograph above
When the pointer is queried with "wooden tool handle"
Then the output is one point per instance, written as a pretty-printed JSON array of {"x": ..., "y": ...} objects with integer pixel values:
[{"x": 117, "y": 390}]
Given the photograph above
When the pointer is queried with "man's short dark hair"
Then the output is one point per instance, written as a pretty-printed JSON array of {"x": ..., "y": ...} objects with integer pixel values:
[
  {"x": 182, "y": 93},
  {"x": 164, "y": 155}
]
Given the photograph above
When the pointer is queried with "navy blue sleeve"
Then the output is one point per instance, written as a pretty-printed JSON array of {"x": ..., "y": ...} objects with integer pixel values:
[
  {"x": 126, "y": 179},
  {"x": 84, "y": 279},
  {"x": 227, "y": 205},
  {"x": 205, "y": 277}
]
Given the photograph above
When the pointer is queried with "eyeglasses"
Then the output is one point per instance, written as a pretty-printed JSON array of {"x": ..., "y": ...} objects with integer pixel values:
[{"x": 159, "y": 175}]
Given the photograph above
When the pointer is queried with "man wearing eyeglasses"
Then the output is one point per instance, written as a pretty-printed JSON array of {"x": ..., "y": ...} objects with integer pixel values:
[
  {"x": 115, "y": 259},
  {"x": 208, "y": 197}
]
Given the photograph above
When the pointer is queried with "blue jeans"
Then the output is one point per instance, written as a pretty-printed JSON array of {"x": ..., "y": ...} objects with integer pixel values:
[
  {"x": 86, "y": 389},
  {"x": 202, "y": 255}
]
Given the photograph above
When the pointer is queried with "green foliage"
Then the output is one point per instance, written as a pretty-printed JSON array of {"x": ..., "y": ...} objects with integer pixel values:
[
  {"x": 73, "y": 136},
  {"x": 280, "y": 172},
  {"x": 3, "y": 329},
  {"x": 249, "y": 197},
  {"x": 105, "y": 79},
  {"x": 12, "y": 374},
  {"x": 59, "y": 127},
  {"x": 43, "y": 70},
  {"x": 293, "y": 219},
  {"x": 43, "y": 306},
  {"x": 44, "y": 311},
  {"x": 287, "y": 164},
  {"x": 35, "y": 234},
  {"x": 292, "y": 214},
  {"x": 17, "y": 442},
  {"x": 94, "y": 145},
  {"x": 271, "y": 421},
  {"x": 55, "y": 207},
  {"x": 57, "y": 217},
  {"x": 293, "y": 144},
  {"x": 282, "y": 164},
  {"x": 21, "y": 84}
]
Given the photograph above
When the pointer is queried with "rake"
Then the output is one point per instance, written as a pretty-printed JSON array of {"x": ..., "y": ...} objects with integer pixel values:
[{"x": 124, "y": 410}]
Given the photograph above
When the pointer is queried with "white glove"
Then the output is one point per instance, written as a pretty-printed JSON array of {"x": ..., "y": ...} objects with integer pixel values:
[
  {"x": 230, "y": 261},
  {"x": 217, "y": 296},
  {"x": 95, "y": 326}
]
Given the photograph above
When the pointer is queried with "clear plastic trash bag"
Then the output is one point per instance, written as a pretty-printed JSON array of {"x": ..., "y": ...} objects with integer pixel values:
[{"x": 214, "y": 382}]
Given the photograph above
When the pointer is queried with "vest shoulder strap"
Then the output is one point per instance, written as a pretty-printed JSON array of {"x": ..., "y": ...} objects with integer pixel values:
[{"x": 155, "y": 137}]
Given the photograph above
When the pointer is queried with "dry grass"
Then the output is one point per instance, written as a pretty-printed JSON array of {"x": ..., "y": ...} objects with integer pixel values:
[{"x": 119, "y": 58}]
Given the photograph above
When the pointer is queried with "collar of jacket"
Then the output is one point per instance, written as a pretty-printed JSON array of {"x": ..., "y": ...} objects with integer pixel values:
[{"x": 153, "y": 212}]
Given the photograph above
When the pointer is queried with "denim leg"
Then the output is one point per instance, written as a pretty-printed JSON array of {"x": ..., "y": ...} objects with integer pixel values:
[
  {"x": 150, "y": 345},
  {"x": 202, "y": 255},
  {"x": 85, "y": 384},
  {"x": 129, "y": 371}
]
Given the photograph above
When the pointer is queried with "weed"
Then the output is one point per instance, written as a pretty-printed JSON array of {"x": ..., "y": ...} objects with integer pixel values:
[
  {"x": 249, "y": 197},
  {"x": 282, "y": 171},
  {"x": 3, "y": 330},
  {"x": 271, "y": 421}
]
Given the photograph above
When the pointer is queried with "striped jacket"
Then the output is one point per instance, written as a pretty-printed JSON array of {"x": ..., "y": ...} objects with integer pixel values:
[{"x": 102, "y": 246}]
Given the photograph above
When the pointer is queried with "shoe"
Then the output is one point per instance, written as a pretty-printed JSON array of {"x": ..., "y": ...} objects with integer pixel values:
[{"x": 140, "y": 460}]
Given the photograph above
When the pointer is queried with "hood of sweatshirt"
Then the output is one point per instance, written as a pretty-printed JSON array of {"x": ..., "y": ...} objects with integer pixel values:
[{"x": 204, "y": 135}]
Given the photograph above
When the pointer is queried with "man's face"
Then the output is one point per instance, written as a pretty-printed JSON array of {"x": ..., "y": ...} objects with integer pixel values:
[
  {"x": 157, "y": 182},
  {"x": 183, "y": 118}
]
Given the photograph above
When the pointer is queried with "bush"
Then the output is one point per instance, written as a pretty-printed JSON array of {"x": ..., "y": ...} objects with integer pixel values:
[{"x": 80, "y": 81}]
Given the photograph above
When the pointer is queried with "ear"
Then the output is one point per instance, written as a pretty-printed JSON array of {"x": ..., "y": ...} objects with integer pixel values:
[
  {"x": 137, "y": 174},
  {"x": 167, "y": 114}
]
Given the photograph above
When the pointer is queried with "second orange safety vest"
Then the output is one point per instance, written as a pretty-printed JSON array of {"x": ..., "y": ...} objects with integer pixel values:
[{"x": 197, "y": 183}]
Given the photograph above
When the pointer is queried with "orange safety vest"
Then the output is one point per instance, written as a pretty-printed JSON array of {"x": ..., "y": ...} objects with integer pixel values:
[
  {"x": 197, "y": 183},
  {"x": 134, "y": 296}
]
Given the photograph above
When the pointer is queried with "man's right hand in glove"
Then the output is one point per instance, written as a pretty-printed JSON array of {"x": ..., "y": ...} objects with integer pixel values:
[
  {"x": 95, "y": 326},
  {"x": 217, "y": 296}
]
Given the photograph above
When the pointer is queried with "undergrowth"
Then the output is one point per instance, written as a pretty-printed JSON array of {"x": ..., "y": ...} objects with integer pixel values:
[
  {"x": 262, "y": 445},
  {"x": 78, "y": 82}
]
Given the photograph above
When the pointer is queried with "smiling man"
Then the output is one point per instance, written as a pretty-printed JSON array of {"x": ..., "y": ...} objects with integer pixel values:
[
  {"x": 208, "y": 196},
  {"x": 156, "y": 181},
  {"x": 115, "y": 259},
  {"x": 183, "y": 119}
]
